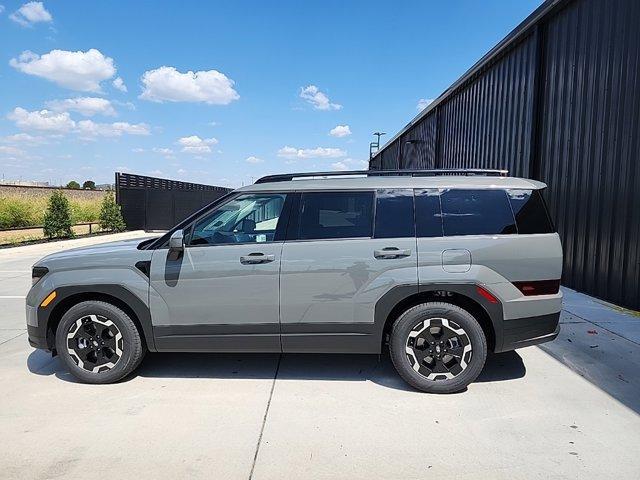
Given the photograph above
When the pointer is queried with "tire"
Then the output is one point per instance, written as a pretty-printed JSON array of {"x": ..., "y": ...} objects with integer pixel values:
[
  {"x": 454, "y": 368},
  {"x": 98, "y": 342}
]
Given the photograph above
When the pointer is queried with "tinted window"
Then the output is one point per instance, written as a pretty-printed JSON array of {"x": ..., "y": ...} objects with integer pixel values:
[
  {"x": 530, "y": 211},
  {"x": 476, "y": 212},
  {"x": 428, "y": 216},
  {"x": 335, "y": 215},
  {"x": 394, "y": 214},
  {"x": 244, "y": 219}
]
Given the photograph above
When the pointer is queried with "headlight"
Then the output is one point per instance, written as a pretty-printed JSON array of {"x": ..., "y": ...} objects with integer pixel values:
[{"x": 37, "y": 273}]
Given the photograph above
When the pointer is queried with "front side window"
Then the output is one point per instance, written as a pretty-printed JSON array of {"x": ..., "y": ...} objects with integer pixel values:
[
  {"x": 335, "y": 215},
  {"x": 530, "y": 211},
  {"x": 476, "y": 212},
  {"x": 247, "y": 218}
]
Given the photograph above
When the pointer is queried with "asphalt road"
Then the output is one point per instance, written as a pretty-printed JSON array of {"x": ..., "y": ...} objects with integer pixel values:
[{"x": 569, "y": 410}]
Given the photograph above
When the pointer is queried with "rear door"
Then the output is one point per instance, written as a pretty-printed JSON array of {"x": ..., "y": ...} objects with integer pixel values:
[{"x": 344, "y": 250}]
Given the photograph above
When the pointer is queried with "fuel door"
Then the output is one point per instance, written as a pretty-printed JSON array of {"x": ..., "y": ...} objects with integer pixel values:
[{"x": 456, "y": 260}]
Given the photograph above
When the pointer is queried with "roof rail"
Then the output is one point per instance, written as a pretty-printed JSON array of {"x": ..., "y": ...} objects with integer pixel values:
[{"x": 285, "y": 177}]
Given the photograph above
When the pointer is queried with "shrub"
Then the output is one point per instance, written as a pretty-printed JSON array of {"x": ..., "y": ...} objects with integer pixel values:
[
  {"x": 57, "y": 220},
  {"x": 110, "y": 215},
  {"x": 19, "y": 212},
  {"x": 85, "y": 210}
]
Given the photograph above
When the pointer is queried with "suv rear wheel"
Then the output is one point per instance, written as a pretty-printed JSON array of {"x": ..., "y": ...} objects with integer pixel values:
[
  {"x": 98, "y": 342},
  {"x": 438, "y": 347}
]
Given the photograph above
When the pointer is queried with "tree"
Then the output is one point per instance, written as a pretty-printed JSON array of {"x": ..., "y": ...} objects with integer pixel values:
[
  {"x": 89, "y": 185},
  {"x": 57, "y": 218},
  {"x": 110, "y": 215},
  {"x": 73, "y": 184}
]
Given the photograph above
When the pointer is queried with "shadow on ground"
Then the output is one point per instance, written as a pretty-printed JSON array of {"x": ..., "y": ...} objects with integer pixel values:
[
  {"x": 338, "y": 367},
  {"x": 604, "y": 358}
]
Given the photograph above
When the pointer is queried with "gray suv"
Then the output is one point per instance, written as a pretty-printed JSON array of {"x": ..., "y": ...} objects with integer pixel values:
[{"x": 441, "y": 266}]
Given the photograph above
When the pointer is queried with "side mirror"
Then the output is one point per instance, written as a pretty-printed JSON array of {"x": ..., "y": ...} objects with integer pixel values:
[{"x": 176, "y": 241}]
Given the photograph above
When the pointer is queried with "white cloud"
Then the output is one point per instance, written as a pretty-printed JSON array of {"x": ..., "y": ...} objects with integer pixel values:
[
  {"x": 13, "y": 152},
  {"x": 87, "y": 106},
  {"x": 253, "y": 160},
  {"x": 350, "y": 164},
  {"x": 340, "y": 131},
  {"x": 74, "y": 70},
  {"x": 319, "y": 100},
  {"x": 1, "y": 8},
  {"x": 44, "y": 120},
  {"x": 24, "y": 139},
  {"x": 318, "y": 152},
  {"x": 30, "y": 13},
  {"x": 168, "y": 84},
  {"x": 119, "y": 84},
  {"x": 137, "y": 150},
  {"x": 195, "y": 144},
  {"x": 166, "y": 152},
  {"x": 423, "y": 103},
  {"x": 89, "y": 128}
]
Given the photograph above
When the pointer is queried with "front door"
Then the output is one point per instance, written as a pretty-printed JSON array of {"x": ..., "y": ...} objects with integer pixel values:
[{"x": 222, "y": 292}]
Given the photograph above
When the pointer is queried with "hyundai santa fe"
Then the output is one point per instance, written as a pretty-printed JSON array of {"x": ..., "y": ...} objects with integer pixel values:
[{"x": 438, "y": 266}]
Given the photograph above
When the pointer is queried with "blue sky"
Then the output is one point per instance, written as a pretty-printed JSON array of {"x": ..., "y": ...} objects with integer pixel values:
[{"x": 222, "y": 92}]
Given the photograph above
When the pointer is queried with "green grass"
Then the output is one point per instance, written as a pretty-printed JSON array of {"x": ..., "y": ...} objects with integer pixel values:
[{"x": 27, "y": 212}]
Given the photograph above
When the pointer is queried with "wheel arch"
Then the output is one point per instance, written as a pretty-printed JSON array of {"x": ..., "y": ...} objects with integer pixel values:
[
  {"x": 466, "y": 296},
  {"x": 116, "y": 295}
]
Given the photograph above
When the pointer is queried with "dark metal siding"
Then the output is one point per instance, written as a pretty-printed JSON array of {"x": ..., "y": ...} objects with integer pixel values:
[
  {"x": 560, "y": 103},
  {"x": 419, "y": 145},
  {"x": 589, "y": 144},
  {"x": 486, "y": 124},
  {"x": 150, "y": 203}
]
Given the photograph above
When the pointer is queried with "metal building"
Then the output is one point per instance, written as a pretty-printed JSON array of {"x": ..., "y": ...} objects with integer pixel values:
[{"x": 557, "y": 100}]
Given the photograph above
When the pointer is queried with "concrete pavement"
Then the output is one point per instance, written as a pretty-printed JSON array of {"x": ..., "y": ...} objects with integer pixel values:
[{"x": 569, "y": 409}]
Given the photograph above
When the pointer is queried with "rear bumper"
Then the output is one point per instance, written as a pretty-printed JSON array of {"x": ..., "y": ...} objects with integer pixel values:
[{"x": 523, "y": 332}]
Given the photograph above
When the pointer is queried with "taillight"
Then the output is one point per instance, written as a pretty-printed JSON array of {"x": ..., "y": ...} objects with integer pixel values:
[{"x": 538, "y": 287}]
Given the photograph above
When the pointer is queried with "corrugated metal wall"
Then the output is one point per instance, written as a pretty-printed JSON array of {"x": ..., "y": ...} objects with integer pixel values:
[
  {"x": 589, "y": 144},
  {"x": 561, "y": 103}
]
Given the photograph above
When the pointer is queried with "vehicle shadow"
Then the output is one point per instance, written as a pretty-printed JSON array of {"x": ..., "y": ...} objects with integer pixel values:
[{"x": 338, "y": 367}]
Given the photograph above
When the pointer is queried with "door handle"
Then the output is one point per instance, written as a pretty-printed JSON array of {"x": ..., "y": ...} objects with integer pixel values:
[
  {"x": 256, "y": 258},
  {"x": 391, "y": 252}
]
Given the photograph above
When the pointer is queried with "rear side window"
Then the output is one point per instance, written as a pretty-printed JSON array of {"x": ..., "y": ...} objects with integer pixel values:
[
  {"x": 428, "y": 216},
  {"x": 530, "y": 211},
  {"x": 476, "y": 212},
  {"x": 335, "y": 215},
  {"x": 394, "y": 214}
]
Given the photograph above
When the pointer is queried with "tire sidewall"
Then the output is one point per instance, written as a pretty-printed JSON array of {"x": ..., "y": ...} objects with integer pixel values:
[
  {"x": 408, "y": 320},
  {"x": 122, "y": 322}
]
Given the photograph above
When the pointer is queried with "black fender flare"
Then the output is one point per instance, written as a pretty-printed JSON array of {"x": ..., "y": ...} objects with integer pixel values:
[
  {"x": 400, "y": 293},
  {"x": 119, "y": 292}
]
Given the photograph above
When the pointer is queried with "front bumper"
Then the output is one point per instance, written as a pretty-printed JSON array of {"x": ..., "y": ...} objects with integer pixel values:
[
  {"x": 523, "y": 332},
  {"x": 36, "y": 331}
]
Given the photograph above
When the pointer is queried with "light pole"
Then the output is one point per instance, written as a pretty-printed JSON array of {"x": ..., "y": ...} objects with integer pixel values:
[{"x": 375, "y": 144}]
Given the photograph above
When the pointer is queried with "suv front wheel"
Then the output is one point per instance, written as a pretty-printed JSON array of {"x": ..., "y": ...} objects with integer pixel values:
[
  {"x": 98, "y": 342},
  {"x": 438, "y": 347}
]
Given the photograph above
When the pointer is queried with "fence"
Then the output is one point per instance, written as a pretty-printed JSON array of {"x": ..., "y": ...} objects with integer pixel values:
[{"x": 150, "y": 203}]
